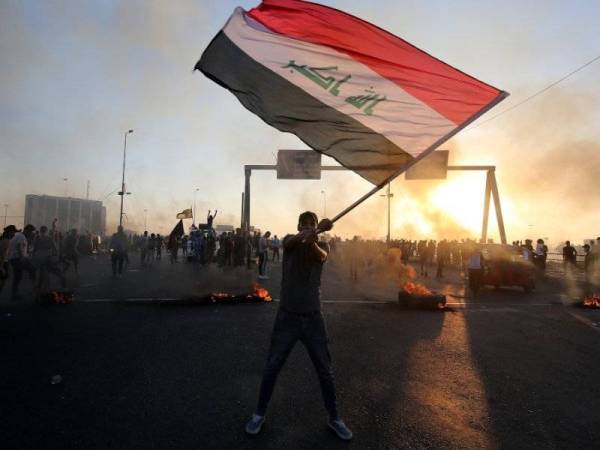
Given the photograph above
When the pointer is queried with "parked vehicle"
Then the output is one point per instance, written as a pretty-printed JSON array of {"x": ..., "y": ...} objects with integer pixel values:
[{"x": 502, "y": 265}]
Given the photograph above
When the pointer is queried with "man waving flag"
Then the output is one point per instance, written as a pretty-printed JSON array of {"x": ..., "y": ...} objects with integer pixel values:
[
  {"x": 351, "y": 91},
  {"x": 347, "y": 88}
]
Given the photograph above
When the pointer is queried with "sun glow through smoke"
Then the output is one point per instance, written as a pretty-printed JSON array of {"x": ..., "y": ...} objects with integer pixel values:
[{"x": 461, "y": 199}]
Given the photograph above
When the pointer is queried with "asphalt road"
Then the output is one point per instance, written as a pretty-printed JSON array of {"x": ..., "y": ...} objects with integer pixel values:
[{"x": 506, "y": 370}]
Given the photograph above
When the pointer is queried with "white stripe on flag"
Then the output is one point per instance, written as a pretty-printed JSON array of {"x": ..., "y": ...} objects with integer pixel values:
[{"x": 401, "y": 118}]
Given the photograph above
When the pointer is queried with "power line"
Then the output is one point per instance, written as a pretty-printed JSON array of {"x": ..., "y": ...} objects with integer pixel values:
[
  {"x": 541, "y": 91},
  {"x": 110, "y": 193}
]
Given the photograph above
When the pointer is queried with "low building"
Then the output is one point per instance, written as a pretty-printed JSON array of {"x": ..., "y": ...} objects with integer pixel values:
[
  {"x": 224, "y": 229},
  {"x": 87, "y": 216}
]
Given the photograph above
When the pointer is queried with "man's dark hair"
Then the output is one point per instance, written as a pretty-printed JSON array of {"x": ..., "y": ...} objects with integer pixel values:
[
  {"x": 307, "y": 215},
  {"x": 43, "y": 229}
]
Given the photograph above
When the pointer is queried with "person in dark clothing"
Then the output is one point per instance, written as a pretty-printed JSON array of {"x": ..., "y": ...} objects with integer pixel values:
[
  {"x": 118, "y": 247},
  {"x": 173, "y": 247},
  {"x": 569, "y": 256},
  {"x": 70, "y": 252},
  {"x": 210, "y": 218},
  {"x": 19, "y": 249},
  {"x": 239, "y": 248},
  {"x": 442, "y": 258},
  {"x": 229, "y": 249},
  {"x": 184, "y": 245},
  {"x": 300, "y": 319},
  {"x": 45, "y": 259},
  {"x": 7, "y": 235},
  {"x": 159, "y": 245}
]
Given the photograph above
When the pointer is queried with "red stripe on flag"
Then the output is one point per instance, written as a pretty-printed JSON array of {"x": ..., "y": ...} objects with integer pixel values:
[{"x": 452, "y": 93}]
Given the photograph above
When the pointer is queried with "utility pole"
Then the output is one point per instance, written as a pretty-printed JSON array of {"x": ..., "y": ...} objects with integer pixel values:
[
  {"x": 242, "y": 216},
  {"x": 389, "y": 196},
  {"x": 122, "y": 192},
  {"x": 194, "y": 211},
  {"x": 145, "y": 219}
]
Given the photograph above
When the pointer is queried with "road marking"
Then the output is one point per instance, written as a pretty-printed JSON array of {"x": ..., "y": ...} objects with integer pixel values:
[
  {"x": 584, "y": 320},
  {"x": 462, "y": 305},
  {"x": 126, "y": 300},
  {"x": 96, "y": 300}
]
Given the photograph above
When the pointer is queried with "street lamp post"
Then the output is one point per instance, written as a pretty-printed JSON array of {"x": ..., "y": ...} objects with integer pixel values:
[
  {"x": 145, "y": 219},
  {"x": 122, "y": 192},
  {"x": 389, "y": 196},
  {"x": 324, "y": 204},
  {"x": 194, "y": 211}
]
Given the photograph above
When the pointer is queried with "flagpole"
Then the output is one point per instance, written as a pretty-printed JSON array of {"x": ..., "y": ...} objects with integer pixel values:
[{"x": 430, "y": 149}]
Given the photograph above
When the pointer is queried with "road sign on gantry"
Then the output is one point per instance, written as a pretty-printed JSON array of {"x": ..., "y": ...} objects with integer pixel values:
[
  {"x": 298, "y": 165},
  {"x": 432, "y": 167}
]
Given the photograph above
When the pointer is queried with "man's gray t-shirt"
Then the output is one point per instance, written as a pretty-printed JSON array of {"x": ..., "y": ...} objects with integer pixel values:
[{"x": 301, "y": 278}]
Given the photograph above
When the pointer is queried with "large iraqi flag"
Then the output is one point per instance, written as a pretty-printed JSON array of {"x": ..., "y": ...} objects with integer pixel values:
[{"x": 348, "y": 89}]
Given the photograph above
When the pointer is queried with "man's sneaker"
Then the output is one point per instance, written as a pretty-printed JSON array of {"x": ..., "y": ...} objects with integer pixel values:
[
  {"x": 255, "y": 424},
  {"x": 340, "y": 429}
]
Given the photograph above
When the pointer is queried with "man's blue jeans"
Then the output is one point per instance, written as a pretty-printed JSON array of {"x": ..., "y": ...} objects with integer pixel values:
[
  {"x": 311, "y": 331},
  {"x": 262, "y": 263}
]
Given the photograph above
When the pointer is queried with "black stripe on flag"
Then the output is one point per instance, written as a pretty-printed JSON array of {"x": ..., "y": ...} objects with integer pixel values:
[{"x": 287, "y": 107}]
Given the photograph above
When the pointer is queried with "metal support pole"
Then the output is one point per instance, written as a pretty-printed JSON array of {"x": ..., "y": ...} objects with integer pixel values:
[
  {"x": 389, "y": 196},
  {"x": 499, "y": 217},
  {"x": 486, "y": 207},
  {"x": 242, "y": 214},
  {"x": 122, "y": 193},
  {"x": 247, "y": 249},
  {"x": 389, "y": 200},
  {"x": 247, "y": 173},
  {"x": 194, "y": 210}
]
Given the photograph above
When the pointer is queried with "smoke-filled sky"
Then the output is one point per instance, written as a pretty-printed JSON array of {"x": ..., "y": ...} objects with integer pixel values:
[{"x": 77, "y": 74}]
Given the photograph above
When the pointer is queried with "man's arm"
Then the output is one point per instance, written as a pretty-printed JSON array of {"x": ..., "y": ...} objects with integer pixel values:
[
  {"x": 292, "y": 240},
  {"x": 318, "y": 252},
  {"x": 309, "y": 236}
]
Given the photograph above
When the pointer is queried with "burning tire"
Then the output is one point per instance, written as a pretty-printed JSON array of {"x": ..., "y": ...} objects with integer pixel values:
[{"x": 430, "y": 301}]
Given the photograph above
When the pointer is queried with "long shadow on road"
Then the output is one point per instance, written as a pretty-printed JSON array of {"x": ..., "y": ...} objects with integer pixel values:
[
  {"x": 539, "y": 369},
  {"x": 139, "y": 376}
]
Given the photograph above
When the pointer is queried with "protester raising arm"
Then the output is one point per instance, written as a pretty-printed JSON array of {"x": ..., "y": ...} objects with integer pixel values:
[{"x": 308, "y": 234}]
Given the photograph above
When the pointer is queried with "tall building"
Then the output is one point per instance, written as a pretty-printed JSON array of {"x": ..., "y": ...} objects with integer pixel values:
[{"x": 85, "y": 215}]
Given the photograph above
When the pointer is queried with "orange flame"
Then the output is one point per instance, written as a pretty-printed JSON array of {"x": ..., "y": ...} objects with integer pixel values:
[
  {"x": 415, "y": 288},
  {"x": 592, "y": 301},
  {"x": 258, "y": 292},
  {"x": 262, "y": 293}
]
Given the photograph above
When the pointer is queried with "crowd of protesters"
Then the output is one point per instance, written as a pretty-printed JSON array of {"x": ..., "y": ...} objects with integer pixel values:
[
  {"x": 424, "y": 255},
  {"x": 49, "y": 252},
  {"x": 40, "y": 253}
]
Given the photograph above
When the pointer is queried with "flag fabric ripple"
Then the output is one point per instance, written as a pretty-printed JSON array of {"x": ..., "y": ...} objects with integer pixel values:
[{"x": 345, "y": 87}]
